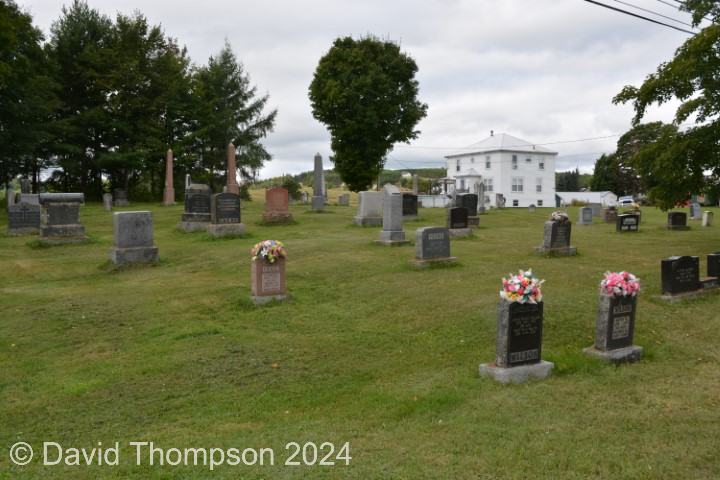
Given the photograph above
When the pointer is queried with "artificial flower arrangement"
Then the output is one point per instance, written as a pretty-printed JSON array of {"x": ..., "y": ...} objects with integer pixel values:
[
  {"x": 633, "y": 208},
  {"x": 620, "y": 284},
  {"x": 522, "y": 288},
  {"x": 269, "y": 251},
  {"x": 559, "y": 216}
]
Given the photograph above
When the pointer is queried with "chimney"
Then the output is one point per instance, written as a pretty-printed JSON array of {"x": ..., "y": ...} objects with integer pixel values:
[{"x": 492, "y": 133}]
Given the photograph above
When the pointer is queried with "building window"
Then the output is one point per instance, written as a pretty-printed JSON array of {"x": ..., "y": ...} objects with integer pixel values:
[
  {"x": 488, "y": 184},
  {"x": 487, "y": 199},
  {"x": 538, "y": 185},
  {"x": 528, "y": 160},
  {"x": 457, "y": 166},
  {"x": 487, "y": 162},
  {"x": 539, "y": 203},
  {"x": 462, "y": 184},
  {"x": 541, "y": 165},
  {"x": 472, "y": 159},
  {"x": 515, "y": 203},
  {"x": 517, "y": 184},
  {"x": 514, "y": 162}
]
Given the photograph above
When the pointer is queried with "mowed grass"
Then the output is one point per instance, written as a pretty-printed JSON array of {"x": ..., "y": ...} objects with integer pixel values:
[{"x": 368, "y": 351}]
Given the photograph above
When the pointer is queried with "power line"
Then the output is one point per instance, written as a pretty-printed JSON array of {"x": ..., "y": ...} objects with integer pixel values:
[
  {"x": 640, "y": 16},
  {"x": 653, "y": 12},
  {"x": 683, "y": 4}
]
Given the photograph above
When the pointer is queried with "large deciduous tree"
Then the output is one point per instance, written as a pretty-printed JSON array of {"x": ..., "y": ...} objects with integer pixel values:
[
  {"x": 675, "y": 162},
  {"x": 365, "y": 92}
]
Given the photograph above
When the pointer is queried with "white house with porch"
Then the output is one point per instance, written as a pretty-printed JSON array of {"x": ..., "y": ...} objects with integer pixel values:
[{"x": 523, "y": 173}]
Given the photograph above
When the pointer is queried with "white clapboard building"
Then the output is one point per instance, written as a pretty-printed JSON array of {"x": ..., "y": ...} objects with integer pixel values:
[{"x": 523, "y": 173}]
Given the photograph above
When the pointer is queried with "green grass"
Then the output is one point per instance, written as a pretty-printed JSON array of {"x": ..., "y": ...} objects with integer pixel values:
[{"x": 368, "y": 351}]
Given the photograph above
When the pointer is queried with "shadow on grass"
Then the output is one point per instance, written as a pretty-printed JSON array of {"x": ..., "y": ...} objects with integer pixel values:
[{"x": 40, "y": 244}]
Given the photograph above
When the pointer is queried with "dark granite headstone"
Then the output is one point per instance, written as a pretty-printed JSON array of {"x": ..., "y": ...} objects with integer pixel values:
[
  {"x": 677, "y": 220},
  {"x": 120, "y": 198},
  {"x": 616, "y": 327},
  {"x": 557, "y": 235},
  {"x": 520, "y": 341},
  {"x": 680, "y": 274},
  {"x": 197, "y": 203},
  {"x": 25, "y": 185},
  {"x": 225, "y": 208},
  {"x": 23, "y": 218},
  {"x": 713, "y": 265},
  {"x": 469, "y": 201},
  {"x": 409, "y": 205},
  {"x": 458, "y": 217},
  {"x": 629, "y": 222},
  {"x": 432, "y": 243}
]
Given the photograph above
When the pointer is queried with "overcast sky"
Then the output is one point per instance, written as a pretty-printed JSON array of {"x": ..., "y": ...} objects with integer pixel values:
[{"x": 541, "y": 70}]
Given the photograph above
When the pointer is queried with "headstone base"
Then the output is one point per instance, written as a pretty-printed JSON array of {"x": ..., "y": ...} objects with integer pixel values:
[
  {"x": 277, "y": 217},
  {"x": 318, "y": 203},
  {"x": 418, "y": 263},
  {"x": 707, "y": 284},
  {"x": 392, "y": 236},
  {"x": 473, "y": 221},
  {"x": 126, "y": 256},
  {"x": 519, "y": 374},
  {"x": 460, "y": 232},
  {"x": 16, "y": 232},
  {"x": 556, "y": 252},
  {"x": 368, "y": 221},
  {"x": 189, "y": 227},
  {"x": 218, "y": 230},
  {"x": 630, "y": 354},
  {"x": 195, "y": 217},
  {"x": 678, "y": 227},
  {"x": 51, "y": 232},
  {"x": 263, "y": 299}
]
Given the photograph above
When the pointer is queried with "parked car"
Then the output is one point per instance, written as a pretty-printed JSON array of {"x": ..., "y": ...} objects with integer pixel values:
[{"x": 625, "y": 201}]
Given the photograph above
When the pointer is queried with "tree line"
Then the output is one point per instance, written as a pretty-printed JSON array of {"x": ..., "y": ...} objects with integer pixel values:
[{"x": 101, "y": 100}]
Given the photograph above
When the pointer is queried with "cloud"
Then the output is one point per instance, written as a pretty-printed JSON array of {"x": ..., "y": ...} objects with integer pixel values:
[{"x": 543, "y": 70}]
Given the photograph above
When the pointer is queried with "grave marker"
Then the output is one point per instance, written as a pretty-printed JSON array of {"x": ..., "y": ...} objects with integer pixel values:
[
  {"x": 196, "y": 216},
  {"x": 432, "y": 246},
  {"x": 369, "y": 209},
  {"x": 409, "y": 206},
  {"x": 60, "y": 222},
  {"x": 586, "y": 216},
  {"x": 457, "y": 222},
  {"x": 392, "y": 233},
  {"x": 23, "y": 219},
  {"x": 133, "y": 239},
  {"x": 225, "y": 216},
  {"x": 629, "y": 222},
  {"x": 277, "y": 208},
  {"x": 677, "y": 221}
]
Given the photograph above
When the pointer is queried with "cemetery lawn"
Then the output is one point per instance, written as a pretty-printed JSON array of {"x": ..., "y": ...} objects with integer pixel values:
[{"x": 368, "y": 351}]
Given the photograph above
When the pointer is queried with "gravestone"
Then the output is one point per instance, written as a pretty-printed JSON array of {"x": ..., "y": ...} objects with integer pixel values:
[
  {"x": 196, "y": 216},
  {"x": 133, "y": 239},
  {"x": 120, "y": 197},
  {"x": 500, "y": 200},
  {"x": 30, "y": 198},
  {"x": 556, "y": 239},
  {"x": 457, "y": 222},
  {"x": 369, "y": 209},
  {"x": 597, "y": 209},
  {"x": 304, "y": 197},
  {"x": 318, "y": 199},
  {"x": 10, "y": 195},
  {"x": 614, "y": 330},
  {"x": 409, "y": 206},
  {"x": 470, "y": 201},
  {"x": 225, "y": 216},
  {"x": 25, "y": 185},
  {"x": 415, "y": 184},
  {"x": 107, "y": 201},
  {"x": 344, "y": 200},
  {"x": 610, "y": 215},
  {"x": 432, "y": 246},
  {"x": 586, "y": 216},
  {"x": 267, "y": 281},
  {"x": 480, "y": 189},
  {"x": 680, "y": 275},
  {"x": 277, "y": 208},
  {"x": 169, "y": 191},
  {"x": 713, "y": 265},
  {"x": 23, "y": 219},
  {"x": 629, "y": 222},
  {"x": 677, "y": 221},
  {"x": 60, "y": 220},
  {"x": 707, "y": 218},
  {"x": 695, "y": 211},
  {"x": 392, "y": 233},
  {"x": 231, "y": 185},
  {"x": 531, "y": 208},
  {"x": 518, "y": 347}
]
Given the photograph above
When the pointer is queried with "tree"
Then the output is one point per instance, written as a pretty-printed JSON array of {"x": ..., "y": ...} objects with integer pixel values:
[
  {"x": 228, "y": 110},
  {"x": 675, "y": 163},
  {"x": 606, "y": 175},
  {"x": 567, "y": 181},
  {"x": 27, "y": 94},
  {"x": 365, "y": 92}
]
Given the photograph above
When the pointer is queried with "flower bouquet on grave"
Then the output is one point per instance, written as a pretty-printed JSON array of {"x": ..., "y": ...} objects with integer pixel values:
[
  {"x": 269, "y": 251},
  {"x": 633, "y": 209},
  {"x": 620, "y": 284},
  {"x": 560, "y": 217},
  {"x": 522, "y": 288}
]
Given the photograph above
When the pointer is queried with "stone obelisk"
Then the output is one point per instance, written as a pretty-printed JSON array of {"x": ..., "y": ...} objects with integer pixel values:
[
  {"x": 169, "y": 195},
  {"x": 318, "y": 199},
  {"x": 232, "y": 185}
]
